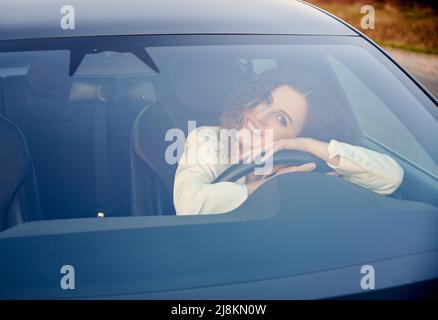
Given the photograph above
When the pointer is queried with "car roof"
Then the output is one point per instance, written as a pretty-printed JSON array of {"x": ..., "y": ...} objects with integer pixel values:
[{"x": 23, "y": 20}]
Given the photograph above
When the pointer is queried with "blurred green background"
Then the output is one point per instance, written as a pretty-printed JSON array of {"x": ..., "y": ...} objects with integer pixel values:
[
  {"x": 410, "y": 25},
  {"x": 408, "y": 30}
]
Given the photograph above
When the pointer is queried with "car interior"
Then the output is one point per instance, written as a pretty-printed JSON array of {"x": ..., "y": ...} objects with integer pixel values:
[
  {"x": 90, "y": 139},
  {"x": 76, "y": 146}
]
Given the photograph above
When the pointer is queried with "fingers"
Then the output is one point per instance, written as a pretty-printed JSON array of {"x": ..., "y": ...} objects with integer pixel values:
[
  {"x": 301, "y": 168},
  {"x": 259, "y": 154},
  {"x": 268, "y": 154},
  {"x": 248, "y": 156},
  {"x": 262, "y": 153}
]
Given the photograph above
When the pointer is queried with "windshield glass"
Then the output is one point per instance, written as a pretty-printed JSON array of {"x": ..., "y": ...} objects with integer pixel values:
[{"x": 110, "y": 128}]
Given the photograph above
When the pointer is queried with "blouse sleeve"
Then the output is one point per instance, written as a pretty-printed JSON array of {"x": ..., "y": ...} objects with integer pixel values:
[
  {"x": 194, "y": 191},
  {"x": 367, "y": 168}
]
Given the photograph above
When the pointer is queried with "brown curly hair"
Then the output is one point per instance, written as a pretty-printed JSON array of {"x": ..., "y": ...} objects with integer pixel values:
[{"x": 327, "y": 118}]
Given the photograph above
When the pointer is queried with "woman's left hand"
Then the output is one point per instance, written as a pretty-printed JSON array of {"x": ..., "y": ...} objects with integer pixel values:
[
  {"x": 265, "y": 152},
  {"x": 315, "y": 147}
]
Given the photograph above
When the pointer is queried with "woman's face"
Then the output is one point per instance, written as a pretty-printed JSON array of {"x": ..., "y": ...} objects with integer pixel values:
[{"x": 286, "y": 116}]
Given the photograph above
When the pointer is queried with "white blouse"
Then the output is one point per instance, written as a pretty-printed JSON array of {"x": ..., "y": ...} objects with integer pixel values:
[{"x": 195, "y": 193}]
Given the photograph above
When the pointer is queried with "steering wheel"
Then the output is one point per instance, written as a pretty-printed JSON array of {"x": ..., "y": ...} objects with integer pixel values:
[{"x": 285, "y": 157}]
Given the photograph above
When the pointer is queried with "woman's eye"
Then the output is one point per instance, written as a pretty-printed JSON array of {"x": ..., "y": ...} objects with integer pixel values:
[{"x": 282, "y": 120}]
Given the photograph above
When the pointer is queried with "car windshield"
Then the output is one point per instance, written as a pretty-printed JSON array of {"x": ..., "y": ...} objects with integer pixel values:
[{"x": 107, "y": 120}]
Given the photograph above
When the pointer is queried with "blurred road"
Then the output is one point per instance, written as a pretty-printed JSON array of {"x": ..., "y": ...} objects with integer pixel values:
[{"x": 423, "y": 66}]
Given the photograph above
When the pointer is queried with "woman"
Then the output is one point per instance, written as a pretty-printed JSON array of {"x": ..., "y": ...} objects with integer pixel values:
[{"x": 298, "y": 113}]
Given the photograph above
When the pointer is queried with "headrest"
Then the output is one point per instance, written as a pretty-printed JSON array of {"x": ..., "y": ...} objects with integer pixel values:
[
  {"x": 93, "y": 91},
  {"x": 48, "y": 76},
  {"x": 204, "y": 85},
  {"x": 130, "y": 90}
]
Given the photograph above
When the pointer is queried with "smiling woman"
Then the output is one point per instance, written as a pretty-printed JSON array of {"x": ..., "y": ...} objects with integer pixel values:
[
  {"x": 83, "y": 130},
  {"x": 265, "y": 109},
  {"x": 89, "y": 117},
  {"x": 118, "y": 108}
]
